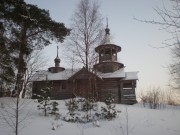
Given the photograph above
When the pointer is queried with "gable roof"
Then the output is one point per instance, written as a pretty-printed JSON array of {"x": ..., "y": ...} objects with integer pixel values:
[
  {"x": 69, "y": 73},
  {"x": 63, "y": 75},
  {"x": 83, "y": 73}
]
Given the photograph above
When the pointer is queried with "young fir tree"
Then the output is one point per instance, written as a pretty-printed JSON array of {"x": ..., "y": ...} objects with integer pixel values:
[
  {"x": 109, "y": 112},
  {"x": 89, "y": 106},
  {"x": 44, "y": 99},
  {"x": 72, "y": 106},
  {"x": 54, "y": 110}
]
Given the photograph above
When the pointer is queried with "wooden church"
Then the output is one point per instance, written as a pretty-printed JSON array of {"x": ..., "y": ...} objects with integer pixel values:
[{"x": 108, "y": 77}]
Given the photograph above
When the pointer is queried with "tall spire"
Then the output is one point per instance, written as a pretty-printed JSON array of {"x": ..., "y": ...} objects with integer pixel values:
[
  {"x": 57, "y": 59},
  {"x": 106, "y": 22},
  {"x": 57, "y": 52},
  {"x": 57, "y": 67},
  {"x": 107, "y": 37},
  {"x": 107, "y": 29}
]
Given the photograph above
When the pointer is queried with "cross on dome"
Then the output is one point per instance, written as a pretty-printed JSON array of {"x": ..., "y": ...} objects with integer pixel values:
[{"x": 107, "y": 37}]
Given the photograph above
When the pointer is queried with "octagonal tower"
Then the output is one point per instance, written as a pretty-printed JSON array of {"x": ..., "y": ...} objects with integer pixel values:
[
  {"x": 57, "y": 67},
  {"x": 108, "y": 55}
]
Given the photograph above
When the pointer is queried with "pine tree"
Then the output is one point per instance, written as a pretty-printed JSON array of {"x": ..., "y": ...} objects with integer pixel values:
[
  {"x": 27, "y": 28},
  {"x": 6, "y": 67}
]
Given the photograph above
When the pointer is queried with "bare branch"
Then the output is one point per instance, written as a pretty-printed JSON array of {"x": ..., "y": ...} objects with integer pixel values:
[{"x": 85, "y": 34}]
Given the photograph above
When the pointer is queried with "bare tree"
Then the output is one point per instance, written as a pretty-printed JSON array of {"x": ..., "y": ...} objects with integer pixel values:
[
  {"x": 170, "y": 22},
  {"x": 35, "y": 62},
  {"x": 14, "y": 114},
  {"x": 143, "y": 98},
  {"x": 154, "y": 97},
  {"x": 174, "y": 68},
  {"x": 86, "y": 32}
]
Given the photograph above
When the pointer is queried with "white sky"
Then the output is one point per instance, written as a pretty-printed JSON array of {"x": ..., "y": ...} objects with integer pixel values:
[{"x": 134, "y": 37}]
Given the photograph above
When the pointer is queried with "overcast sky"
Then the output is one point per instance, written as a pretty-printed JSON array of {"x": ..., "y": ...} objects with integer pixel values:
[{"x": 135, "y": 38}]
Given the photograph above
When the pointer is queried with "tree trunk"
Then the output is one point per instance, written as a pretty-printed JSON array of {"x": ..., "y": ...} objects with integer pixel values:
[
  {"x": 21, "y": 67},
  {"x": 17, "y": 115}
]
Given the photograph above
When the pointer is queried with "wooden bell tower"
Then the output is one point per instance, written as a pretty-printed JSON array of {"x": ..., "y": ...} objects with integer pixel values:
[{"x": 108, "y": 55}]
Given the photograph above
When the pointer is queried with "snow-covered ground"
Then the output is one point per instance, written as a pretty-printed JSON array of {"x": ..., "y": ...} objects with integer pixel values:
[{"x": 135, "y": 119}]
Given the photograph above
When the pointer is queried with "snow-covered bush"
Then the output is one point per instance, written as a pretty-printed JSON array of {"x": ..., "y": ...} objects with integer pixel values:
[
  {"x": 88, "y": 104},
  {"x": 72, "y": 106},
  {"x": 72, "y": 117},
  {"x": 80, "y": 110},
  {"x": 87, "y": 110},
  {"x": 109, "y": 112},
  {"x": 89, "y": 107}
]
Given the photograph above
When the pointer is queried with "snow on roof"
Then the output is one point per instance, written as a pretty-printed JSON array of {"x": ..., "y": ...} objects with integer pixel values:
[
  {"x": 106, "y": 40},
  {"x": 131, "y": 76},
  {"x": 67, "y": 73},
  {"x": 117, "y": 74},
  {"x": 63, "y": 75}
]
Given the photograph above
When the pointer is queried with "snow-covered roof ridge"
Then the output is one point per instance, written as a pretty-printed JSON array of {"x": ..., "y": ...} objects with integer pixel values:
[
  {"x": 120, "y": 74},
  {"x": 67, "y": 73},
  {"x": 63, "y": 75}
]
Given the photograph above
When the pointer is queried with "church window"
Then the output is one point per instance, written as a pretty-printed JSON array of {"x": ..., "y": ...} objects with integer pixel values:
[
  {"x": 102, "y": 53},
  {"x": 113, "y": 52}
]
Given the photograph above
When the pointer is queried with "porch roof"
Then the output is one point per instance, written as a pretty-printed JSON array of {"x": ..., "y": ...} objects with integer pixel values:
[
  {"x": 120, "y": 74},
  {"x": 117, "y": 74}
]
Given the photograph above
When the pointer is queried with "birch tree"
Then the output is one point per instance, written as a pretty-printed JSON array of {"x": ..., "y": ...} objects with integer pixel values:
[{"x": 86, "y": 33}]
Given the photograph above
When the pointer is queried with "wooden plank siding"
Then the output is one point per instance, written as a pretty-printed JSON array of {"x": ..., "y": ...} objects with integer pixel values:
[
  {"x": 107, "y": 86},
  {"x": 128, "y": 95},
  {"x": 82, "y": 85},
  {"x": 58, "y": 89}
]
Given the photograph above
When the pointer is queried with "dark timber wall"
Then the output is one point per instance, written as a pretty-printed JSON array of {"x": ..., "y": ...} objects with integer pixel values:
[
  {"x": 107, "y": 86},
  {"x": 84, "y": 84}
]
